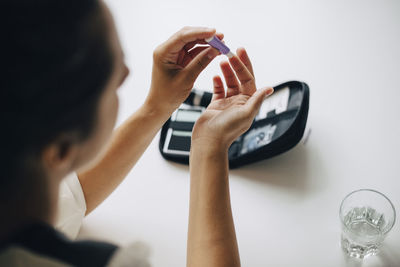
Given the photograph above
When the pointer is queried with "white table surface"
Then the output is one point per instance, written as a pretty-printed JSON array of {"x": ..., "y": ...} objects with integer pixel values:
[{"x": 285, "y": 208}]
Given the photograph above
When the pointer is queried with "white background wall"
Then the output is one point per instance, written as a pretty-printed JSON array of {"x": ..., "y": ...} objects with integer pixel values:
[{"x": 286, "y": 208}]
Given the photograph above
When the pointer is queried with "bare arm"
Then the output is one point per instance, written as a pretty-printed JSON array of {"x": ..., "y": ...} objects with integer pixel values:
[
  {"x": 211, "y": 237},
  {"x": 175, "y": 69},
  {"x": 127, "y": 145}
]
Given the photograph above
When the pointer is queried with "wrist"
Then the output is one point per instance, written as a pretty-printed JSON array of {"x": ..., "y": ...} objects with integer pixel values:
[
  {"x": 156, "y": 109},
  {"x": 162, "y": 100},
  {"x": 208, "y": 161},
  {"x": 209, "y": 146}
]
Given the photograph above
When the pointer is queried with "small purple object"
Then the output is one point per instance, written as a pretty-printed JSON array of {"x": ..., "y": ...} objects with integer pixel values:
[{"x": 218, "y": 44}]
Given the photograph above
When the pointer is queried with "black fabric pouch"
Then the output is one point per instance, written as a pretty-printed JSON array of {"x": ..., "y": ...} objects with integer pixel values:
[{"x": 278, "y": 126}]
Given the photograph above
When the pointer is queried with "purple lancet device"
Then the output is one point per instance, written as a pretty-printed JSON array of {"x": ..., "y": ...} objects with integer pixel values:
[{"x": 218, "y": 44}]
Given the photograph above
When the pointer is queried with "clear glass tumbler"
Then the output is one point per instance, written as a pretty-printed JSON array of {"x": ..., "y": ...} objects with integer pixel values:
[{"x": 366, "y": 216}]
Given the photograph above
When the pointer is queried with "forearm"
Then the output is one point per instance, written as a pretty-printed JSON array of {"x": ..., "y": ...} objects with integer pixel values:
[
  {"x": 211, "y": 235},
  {"x": 127, "y": 145}
]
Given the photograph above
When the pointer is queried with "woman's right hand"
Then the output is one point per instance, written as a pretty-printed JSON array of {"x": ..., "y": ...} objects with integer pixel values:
[
  {"x": 230, "y": 114},
  {"x": 176, "y": 65}
]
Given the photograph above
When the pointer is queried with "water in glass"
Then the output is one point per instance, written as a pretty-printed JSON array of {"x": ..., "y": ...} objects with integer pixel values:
[{"x": 362, "y": 232}]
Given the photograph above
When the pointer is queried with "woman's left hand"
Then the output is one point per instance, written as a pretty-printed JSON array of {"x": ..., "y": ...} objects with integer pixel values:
[
  {"x": 176, "y": 66},
  {"x": 231, "y": 112}
]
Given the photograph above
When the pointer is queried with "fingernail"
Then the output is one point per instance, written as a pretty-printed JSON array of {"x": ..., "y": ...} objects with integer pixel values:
[{"x": 269, "y": 91}]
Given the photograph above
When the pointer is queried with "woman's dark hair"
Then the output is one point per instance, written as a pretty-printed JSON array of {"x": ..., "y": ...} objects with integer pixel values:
[{"x": 55, "y": 63}]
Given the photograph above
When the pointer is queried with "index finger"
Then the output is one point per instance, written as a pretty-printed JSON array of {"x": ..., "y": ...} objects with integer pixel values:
[
  {"x": 190, "y": 45},
  {"x": 187, "y": 35}
]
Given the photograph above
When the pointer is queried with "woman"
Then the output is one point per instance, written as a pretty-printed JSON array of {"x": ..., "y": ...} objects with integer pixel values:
[{"x": 61, "y": 68}]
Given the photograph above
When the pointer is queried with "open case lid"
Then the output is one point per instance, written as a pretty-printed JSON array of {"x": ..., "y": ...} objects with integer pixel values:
[{"x": 278, "y": 127}]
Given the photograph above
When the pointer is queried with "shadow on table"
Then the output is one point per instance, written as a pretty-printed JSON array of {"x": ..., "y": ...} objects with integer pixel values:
[
  {"x": 387, "y": 257},
  {"x": 180, "y": 166},
  {"x": 290, "y": 170}
]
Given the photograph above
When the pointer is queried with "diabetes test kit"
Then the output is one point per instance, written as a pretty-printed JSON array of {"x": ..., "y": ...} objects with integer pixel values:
[{"x": 278, "y": 126}]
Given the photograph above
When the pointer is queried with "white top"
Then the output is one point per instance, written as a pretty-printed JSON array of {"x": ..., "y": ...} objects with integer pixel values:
[
  {"x": 72, "y": 206},
  {"x": 71, "y": 211}
]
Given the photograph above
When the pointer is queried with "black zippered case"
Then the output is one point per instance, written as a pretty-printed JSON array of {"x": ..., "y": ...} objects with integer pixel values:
[{"x": 277, "y": 128}]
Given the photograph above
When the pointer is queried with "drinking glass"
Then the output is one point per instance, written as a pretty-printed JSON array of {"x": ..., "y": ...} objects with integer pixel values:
[{"x": 366, "y": 216}]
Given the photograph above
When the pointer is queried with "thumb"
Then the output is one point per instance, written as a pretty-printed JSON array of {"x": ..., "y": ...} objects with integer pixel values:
[
  {"x": 199, "y": 63},
  {"x": 255, "y": 101}
]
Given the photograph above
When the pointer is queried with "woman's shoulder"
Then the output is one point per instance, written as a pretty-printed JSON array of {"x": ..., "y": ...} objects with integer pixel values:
[{"x": 40, "y": 244}]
